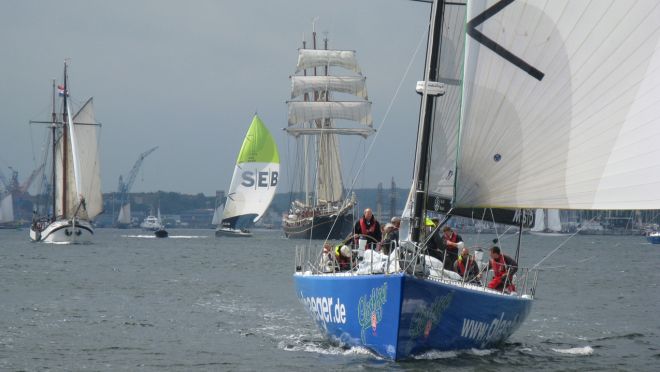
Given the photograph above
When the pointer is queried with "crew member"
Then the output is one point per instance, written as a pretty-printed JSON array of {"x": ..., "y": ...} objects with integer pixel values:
[
  {"x": 503, "y": 268},
  {"x": 466, "y": 267},
  {"x": 367, "y": 227}
]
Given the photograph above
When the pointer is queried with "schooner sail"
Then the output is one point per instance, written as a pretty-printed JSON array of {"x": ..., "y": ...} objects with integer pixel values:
[
  {"x": 76, "y": 184},
  {"x": 323, "y": 211},
  {"x": 570, "y": 84},
  {"x": 254, "y": 181}
]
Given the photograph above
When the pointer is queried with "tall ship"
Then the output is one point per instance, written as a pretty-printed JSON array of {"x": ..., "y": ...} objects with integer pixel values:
[
  {"x": 499, "y": 97},
  {"x": 253, "y": 183},
  {"x": 320, "y": 208},
  {"x": 75, "y": 173}
]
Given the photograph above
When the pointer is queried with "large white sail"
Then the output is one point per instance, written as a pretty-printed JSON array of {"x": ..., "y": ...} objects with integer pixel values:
[
  {"x": 217, "y": 215},
  {"x": 87, "y": 151},
  {"x": 6, "y": 208},
  {"x": 255, "y": 176},
  {"x": 309, "y": 58},
  {"x": 355, "y": 85},
  {"x": 560, "y": 105}
]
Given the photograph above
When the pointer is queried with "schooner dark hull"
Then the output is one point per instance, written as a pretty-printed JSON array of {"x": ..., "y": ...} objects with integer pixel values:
[{"x": 320, "y": 227}]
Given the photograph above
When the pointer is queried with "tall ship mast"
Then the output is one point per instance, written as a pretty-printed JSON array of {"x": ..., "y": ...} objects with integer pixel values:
[{"x": 320, "y": 208}]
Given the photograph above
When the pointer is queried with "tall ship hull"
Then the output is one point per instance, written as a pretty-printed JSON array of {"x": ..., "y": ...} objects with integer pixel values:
[
  {"x": 336, "y": 226},
  {"x": 400, "y": 315}
]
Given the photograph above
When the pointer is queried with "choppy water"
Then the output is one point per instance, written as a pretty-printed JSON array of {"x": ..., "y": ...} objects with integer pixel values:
[{"x": 196, "y": 302}]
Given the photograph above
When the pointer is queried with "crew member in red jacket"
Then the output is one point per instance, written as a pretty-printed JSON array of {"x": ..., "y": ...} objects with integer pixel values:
[
  {"x": 503, "y": 268},
  {"x": 369, "y": 228}
]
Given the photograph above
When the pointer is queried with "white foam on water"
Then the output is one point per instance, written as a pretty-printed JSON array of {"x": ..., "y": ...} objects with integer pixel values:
[
  {"x": 435, "y": 354},
  {"x": 587, "y": 350},
  {"x": 482, "y": 352},
  {"x": 188, "y": 236},
  {"x": 139, "y": 236}
]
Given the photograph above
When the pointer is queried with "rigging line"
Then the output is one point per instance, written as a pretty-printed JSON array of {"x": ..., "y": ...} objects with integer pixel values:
[
  {"x": 389, "y": 107},
  {"x": 563, "y": 243}
]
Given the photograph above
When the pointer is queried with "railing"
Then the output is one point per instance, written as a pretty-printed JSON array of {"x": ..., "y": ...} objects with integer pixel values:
[{"x": 408, "y": 259}]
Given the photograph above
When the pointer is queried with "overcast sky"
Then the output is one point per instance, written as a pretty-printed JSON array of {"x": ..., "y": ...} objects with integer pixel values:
[{"x": 187, "y": 76}]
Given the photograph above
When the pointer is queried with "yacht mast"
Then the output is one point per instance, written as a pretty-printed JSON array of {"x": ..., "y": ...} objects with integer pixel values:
[{"x": 424, "y": 134}]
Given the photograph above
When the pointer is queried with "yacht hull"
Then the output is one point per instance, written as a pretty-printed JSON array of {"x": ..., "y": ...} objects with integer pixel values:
[
  {"x": 400, "y": 315},
  {"x": 232, "y": 233}
]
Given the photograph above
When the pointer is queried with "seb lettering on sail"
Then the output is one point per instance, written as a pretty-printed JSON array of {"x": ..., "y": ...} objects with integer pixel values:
[{"x": 259, "y": 179}]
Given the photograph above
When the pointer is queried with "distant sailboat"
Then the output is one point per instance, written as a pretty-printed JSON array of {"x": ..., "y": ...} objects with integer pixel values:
[
  {"x": 254, "y": 182},
  {"x": 76, "y": 176},
  {"x": 124, "y": 218},
  {"x": 547, "y": 223},
  {"x": 6, "y": 210}
]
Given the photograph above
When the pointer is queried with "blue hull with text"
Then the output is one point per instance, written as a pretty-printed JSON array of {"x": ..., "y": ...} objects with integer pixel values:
[{"x": 400, "y": 315}]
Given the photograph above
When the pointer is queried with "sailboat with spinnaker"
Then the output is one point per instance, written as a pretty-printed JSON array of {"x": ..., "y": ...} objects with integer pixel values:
[
  {"x": 253, "y": 184},
  {"x": 507, "y": 85}
]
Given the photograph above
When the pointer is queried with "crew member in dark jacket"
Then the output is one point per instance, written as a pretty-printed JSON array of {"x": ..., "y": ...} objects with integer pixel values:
[
  {"x": 466, "y": 267},
  {"x": 369, "y": 228}
]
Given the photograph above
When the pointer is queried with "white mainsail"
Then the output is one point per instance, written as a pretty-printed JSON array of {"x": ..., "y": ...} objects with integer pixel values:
[
  {"x": 217, "y": 215},
  {"x": 539, "y": 220},
  {"x": 560, "y": 105},
  {"x": 554, "y": 221},
  {"x": 83, "y": 157},
  {"x": 7, "y": 208},
  {"x": 124, "y": 214},
  {"x": 87, "y": 140}
]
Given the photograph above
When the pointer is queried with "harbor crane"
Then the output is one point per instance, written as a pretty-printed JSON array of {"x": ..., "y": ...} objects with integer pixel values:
[
  {"x": 124, "y": 188},
  {"x": 13, "y": 186}
]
